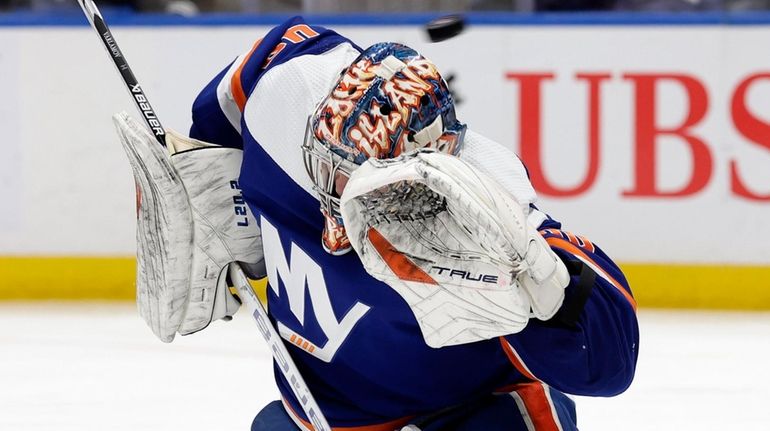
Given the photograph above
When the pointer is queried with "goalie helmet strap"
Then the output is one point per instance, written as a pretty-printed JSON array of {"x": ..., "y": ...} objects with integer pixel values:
[
  {"x": 431, "y": 133},
  {"x": 401, "y": 265},
  {"x": 390, "y": 66}
]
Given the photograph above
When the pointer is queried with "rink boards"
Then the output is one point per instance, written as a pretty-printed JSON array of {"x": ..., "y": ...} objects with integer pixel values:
[{"x": 651, "y": 138}]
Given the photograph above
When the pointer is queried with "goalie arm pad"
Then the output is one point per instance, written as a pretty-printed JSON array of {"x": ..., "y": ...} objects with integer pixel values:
[
  {"x": 453, "y": 244},
  {"x": 191, "y": 223}
]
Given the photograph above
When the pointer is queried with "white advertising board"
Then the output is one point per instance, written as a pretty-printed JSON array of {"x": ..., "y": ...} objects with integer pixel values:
[
  {"x": 10, "y": 145},
  {"x": 653, "y": 141}
]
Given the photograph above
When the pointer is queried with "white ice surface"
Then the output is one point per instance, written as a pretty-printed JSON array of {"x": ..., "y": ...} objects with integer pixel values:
[{"x": 67, "y": 367}]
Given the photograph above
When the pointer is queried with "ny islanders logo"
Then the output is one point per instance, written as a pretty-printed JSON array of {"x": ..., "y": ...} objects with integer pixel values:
[{"x": 304, "y": 279}]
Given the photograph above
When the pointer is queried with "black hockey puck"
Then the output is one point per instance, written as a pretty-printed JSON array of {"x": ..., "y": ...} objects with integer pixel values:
[{"x": 445, "y": 27}]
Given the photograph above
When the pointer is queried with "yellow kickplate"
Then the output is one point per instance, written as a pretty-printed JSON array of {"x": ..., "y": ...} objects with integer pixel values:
[
  {"x": 663, "y": 286},
  {"x": 73, "y": 278},
  {"x": 700, "y": 286}
]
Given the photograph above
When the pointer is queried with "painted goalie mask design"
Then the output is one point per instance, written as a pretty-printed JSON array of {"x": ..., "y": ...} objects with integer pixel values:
[{"x": 388, "y": 102}]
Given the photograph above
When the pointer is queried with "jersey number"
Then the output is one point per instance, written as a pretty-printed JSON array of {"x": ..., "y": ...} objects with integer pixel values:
[{"x": 294, "y": 35}]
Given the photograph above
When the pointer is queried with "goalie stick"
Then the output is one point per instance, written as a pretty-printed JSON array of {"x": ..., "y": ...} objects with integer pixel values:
[
  {"x": 246, "y": 292},
  {"x": 132, "y": 85}
]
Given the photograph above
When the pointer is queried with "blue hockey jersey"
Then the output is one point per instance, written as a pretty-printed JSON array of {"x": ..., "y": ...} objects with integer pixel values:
[{"x": 353, "y": 338}]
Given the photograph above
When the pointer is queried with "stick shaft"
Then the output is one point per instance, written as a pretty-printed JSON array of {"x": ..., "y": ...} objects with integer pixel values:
[
  {"x": 278, "y": 349},
  {"x": 119, "y": 60}
]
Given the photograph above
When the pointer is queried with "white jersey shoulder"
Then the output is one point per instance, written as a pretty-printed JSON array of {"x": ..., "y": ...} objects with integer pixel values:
[
  {"x": 505, "y": 167},
  {"x": 285, "y": 96}
]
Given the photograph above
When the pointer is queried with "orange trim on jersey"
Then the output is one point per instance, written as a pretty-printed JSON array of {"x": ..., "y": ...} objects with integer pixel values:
[
  {"x": 572, "y": 238},
  {"x": 555, "y": 232},
  {"x": 236, "y": 86},
  {"x": 571, "y": 248},
  {"x": 401, "y": 265},
  {"x": 516, "y": 360},
  {"x": 586, "y": 243},
  {"x": 386, "y": 426},
  {"x": 578, "y": 240},
  {"x": 539, "y": 407}
]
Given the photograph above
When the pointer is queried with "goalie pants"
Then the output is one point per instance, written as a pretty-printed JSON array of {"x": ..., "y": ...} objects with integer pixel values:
[{"x": 531, "y": 406}]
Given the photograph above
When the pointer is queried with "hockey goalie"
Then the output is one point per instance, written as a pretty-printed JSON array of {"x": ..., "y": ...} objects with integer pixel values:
[{"x": 426, "y": 291}]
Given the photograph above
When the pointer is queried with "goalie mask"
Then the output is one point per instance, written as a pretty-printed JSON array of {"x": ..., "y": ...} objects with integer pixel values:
[{"x": 389, "y": 101}]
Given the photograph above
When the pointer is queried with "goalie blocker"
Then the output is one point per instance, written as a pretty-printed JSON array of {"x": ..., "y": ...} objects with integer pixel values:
[
  {"x": 454, "y": 244},
  {"x": 191, "y": 224}
]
